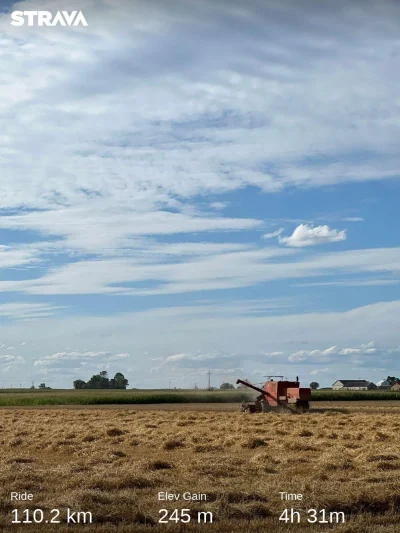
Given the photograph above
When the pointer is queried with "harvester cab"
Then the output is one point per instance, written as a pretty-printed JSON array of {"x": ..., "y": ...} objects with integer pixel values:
[{"x": 278, "y": 395}]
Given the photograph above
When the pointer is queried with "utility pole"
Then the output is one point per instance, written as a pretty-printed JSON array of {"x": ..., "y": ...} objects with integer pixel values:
[{"x": 209, "y": 379}]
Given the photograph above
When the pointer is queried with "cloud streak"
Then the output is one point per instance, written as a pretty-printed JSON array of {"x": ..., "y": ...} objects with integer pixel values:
[{"x": 200, "y": 271}]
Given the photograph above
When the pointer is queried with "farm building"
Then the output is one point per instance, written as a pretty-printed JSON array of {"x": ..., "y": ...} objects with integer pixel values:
[
  {"x": 383, "y": 384},
  {"x": 353, "y": 384},
  {"x": 396, "y": 386}
]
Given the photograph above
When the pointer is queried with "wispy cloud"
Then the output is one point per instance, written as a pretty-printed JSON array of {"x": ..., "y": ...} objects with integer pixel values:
[
  {"x": 27, "y": 311},
  {"x": 205, "y": 271},
  {"x": 273, "y": 234},
  {"x": 351, "y": 283},
  {"x": 353, "y": 219}
]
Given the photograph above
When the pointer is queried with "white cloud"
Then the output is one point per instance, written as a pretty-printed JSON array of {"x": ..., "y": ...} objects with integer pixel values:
[
  {"x": 319, "y": 371},
  {"x": 273, "y": 234},
  {"x": 176, "y": 357},
  {"x": 336, "y": 353},
  {"x": 107, "y": 231},
  {"x": 203, "y": 271},
  {"x": 219, "y": 205},
  {"x": 305, "y": 235},
  {"x": 353, "y": 219},
  {"x": 213, "y": 330},
  {"x": 350, "y": 283},
  {"x": 198, "y": 357},
  {"x": 16, "y": 257},
  {"x": 333, "y": 354},
  {"x": 80, "y": 357},
  {"x": 27, "y": 311},
  {"x": 9, "y": 363},
  {"x": 71, "y": 365},
  {"x": 10, "y": 358}
]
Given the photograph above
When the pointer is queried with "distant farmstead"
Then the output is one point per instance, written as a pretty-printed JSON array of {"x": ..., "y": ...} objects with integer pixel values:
[
  {"x": 353, "y": 384},
  {"x": 396, "y": 386},
  {"x": 383, "y": 384}
]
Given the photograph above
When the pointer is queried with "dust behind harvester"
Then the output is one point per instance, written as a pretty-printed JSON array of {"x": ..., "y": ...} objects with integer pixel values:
[{"x": 277, "y": 396}]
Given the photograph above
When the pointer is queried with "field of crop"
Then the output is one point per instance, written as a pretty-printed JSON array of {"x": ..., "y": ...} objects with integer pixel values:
[
  {"x": 27, "y": 397},
  {"x": 113, "y": 462},
  {"x": 118, "y": 397}
]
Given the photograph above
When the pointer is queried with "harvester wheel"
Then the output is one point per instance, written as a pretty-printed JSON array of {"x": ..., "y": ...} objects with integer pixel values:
[{"x": 303, "y": 407}]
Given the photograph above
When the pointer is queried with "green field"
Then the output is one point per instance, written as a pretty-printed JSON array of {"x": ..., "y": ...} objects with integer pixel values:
[
  {"x": 113, "y": 397},
  {"x": 348, "y": 396},
  {"x": 27, "y": 397}
]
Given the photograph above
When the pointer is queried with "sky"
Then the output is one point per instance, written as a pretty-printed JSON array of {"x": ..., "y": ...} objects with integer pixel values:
[{"x": 193, "y": 186}]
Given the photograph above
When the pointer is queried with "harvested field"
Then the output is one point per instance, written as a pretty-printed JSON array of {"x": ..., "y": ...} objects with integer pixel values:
[
  {"x": 319, "y": 406},
  {"x": 113, "y": 462}
]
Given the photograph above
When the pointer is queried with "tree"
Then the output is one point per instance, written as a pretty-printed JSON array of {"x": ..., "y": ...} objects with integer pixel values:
[
  {"x": 79, "y": 384},
  {"x": 98, "y": 381},
  {"x": 392, "y": 380},
  {"x": 227, "y": 386},
  {"x": 243, "y": 387},
  {"x": 314, "y": 385},
  {"x": 119, "y": 381},
  {"x": 42, "y": 386}
]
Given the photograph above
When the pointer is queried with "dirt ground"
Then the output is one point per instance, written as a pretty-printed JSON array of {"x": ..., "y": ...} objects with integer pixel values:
[{"x": 113, "y": 463}]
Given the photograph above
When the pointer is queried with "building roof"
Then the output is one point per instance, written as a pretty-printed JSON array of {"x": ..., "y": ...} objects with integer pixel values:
[
  {"x": 383, "y": 383},
  {"x": 353, "y": 382}
]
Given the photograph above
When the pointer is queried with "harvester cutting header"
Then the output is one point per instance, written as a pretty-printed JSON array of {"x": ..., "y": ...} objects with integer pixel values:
[{"x": 277, "y": 395}]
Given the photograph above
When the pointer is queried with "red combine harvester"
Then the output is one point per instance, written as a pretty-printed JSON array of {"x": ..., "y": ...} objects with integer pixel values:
[{"x": 277, "y": 396}]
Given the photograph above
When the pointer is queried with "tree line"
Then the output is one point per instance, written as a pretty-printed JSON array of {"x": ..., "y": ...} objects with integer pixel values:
[{"x": 102, "y": 381}]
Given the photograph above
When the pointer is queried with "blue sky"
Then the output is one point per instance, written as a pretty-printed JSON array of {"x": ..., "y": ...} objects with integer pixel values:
[{"x": 188, "y": 186}]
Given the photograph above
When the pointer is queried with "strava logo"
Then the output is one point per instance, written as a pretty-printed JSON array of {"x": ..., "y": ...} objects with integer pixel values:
[{"x": 46, "y": 18}]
